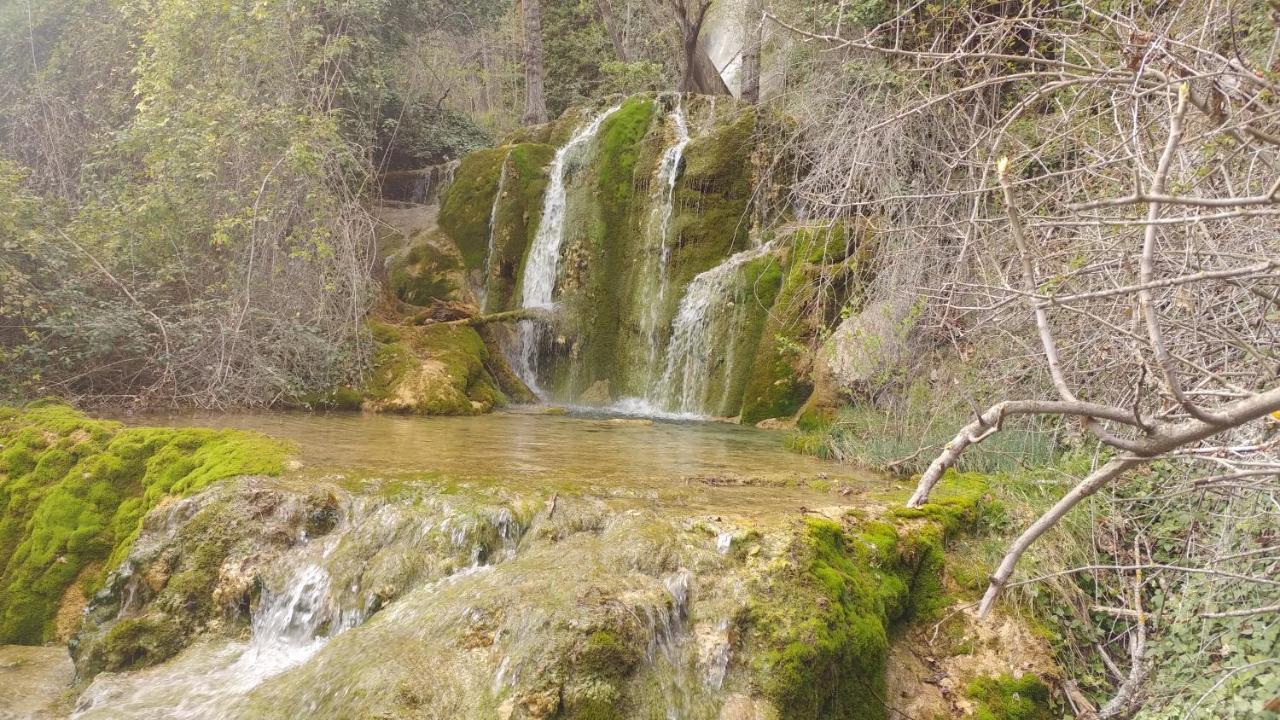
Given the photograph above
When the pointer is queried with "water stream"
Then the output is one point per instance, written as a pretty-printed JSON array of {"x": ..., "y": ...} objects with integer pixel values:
[
  {"x": 542, "y": 268},
  {"x": 491, "y": 253},
  {"x": 470, "y": 552},
  {"x": 702, "y": 330},
  {"x": 658, "y": 252}
]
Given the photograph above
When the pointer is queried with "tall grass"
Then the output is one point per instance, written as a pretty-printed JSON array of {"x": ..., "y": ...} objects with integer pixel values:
[{"x": 905, "y": 437}]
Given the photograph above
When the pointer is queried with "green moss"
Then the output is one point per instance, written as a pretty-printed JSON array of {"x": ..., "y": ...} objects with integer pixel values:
[
  {"x": 712, "y": 198},
  {"x": 603, "y": 303},
  {"x": 435, "y": 369},
  {"x": 467, "y": 204},
  {"x": 826, "y": 271},
  {"x": 73, "y": 492},
  {"x": 141, "y": 641},
  {"x": 519, "y": 213},
  {"x": 600, "y": 666},
  {"x": 819, "y": 628},
  {"x": 424, "y": 275},
  {"x": 960, "y": 501},
  {"x": 1006, "y": 698}
]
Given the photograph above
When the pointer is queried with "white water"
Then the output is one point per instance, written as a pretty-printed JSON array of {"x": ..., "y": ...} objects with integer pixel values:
[
  {"x": 490, "y": 254},
  {"x": 289, "y": 627},
  {"x": 542, "y": 269},
  {"x": 659, "y": 234},
  {"x": 702, "y": 330}
]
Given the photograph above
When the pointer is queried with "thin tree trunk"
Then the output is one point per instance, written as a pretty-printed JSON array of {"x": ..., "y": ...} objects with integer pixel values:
[
  {"x": 605, "y": 11},
  {"x": 535, "y": 99},
  {"x": 749, "y": 88}
]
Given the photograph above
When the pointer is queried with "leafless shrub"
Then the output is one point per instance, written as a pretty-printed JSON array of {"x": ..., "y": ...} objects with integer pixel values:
[{"x": 1089, "y": 198}]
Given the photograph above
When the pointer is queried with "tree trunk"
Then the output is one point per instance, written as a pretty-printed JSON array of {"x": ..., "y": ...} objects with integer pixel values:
[
  {"x": 749, "y": 87},
  {"x": 535, "y": 99},
  {"x": 700, "y": 72},
  {"x": 605, "y": 12}
]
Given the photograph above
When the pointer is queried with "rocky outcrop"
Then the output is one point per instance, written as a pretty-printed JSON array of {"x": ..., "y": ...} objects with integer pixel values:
[{"x": 426, "y": 601}]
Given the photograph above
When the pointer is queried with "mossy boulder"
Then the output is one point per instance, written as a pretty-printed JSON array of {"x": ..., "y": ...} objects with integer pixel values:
[
  {"x": 429, "y": 270},
  {"x": 827, "y": 271},
  {"x": 819, "y": 626},
  {"x": 196, "y": 568},
  {"x": 437, "y": 369},
  {"x": 467, "y": 204},
  {"x": 73, "y": 491}
]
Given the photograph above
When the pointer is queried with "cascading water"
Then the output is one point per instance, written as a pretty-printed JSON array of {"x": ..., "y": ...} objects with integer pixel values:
[
  {"x": 542, "y": 269},
  {"x": 491, "y": 253},
  {"x": 658, "y": 252},
  {"x": 289, "y": 627},
  {"x": 702, "y": 329}
]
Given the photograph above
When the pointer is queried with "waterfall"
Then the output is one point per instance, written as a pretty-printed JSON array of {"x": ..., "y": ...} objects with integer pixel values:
[
  {"x": 491, "y": 253},
  {"x": 702, "y": 330},
  {"x": 659, "y": 233},
  {"x": 542, "y": 268}
]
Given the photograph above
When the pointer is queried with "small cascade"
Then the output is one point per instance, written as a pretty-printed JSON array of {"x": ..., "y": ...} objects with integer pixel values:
[
  {"x": 289, "y": 627},
  {"x": 295, "y": 616},
  {"x": 491, "y": 254},
  {"x": 659, "y": 235},
  {"x": 542, "y": 268},
  {"x": 702, "y": 330}
]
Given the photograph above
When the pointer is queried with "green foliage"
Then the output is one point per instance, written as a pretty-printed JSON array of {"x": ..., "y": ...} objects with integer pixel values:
[
  {"x": 74, "y": 491},
  {"x": 200, "y": 191},
  {"x": 629, "y": 78},
  {"x": 416, "y": 134}
]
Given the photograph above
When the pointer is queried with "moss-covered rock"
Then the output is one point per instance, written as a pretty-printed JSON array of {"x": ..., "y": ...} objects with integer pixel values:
[
  {"x": 819, "y": 628},
  {"x": 73, "y": 492},
  {"x": 827, "y": 270},
  {"x": 436, "y": 369},
  {"x": 425, "y": 273},
  {"x": 518, "y": 212},
  {"x": 467, "y": 204},
  {"x": 196, "y": 566}
]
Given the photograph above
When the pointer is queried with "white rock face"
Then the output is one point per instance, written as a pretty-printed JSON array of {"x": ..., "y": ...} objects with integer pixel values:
[{"x": 865, "y": 346}]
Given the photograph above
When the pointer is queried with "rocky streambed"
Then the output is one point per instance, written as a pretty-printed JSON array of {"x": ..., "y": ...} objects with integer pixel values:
[{"x": 527, "y": 566}]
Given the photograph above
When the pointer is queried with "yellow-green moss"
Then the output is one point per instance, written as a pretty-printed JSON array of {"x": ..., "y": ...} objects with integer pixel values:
[
  {"x": 435, "y": 369},
  {"x": 73, "y": 491},
  {"x": 825, "y": 632},
  {"x": 1007, "y": 698},
  {"x": 960, "y": 501}
]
